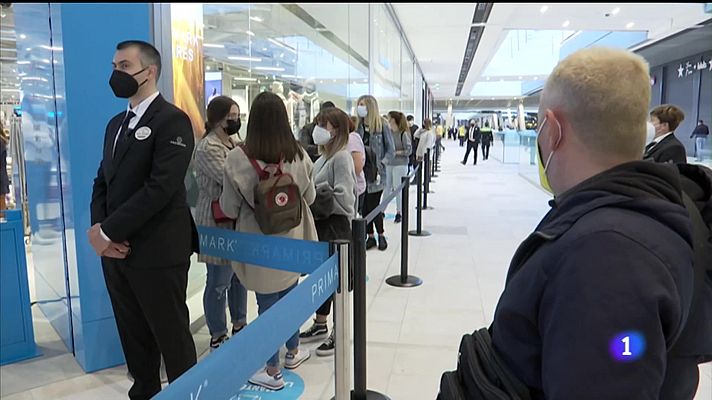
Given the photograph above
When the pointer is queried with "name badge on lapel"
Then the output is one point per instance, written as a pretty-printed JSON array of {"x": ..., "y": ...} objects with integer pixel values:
[{"x": 143, "y": 133}]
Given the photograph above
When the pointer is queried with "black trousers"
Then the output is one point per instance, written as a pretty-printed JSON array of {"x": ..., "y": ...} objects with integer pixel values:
[
  {"x": 471, "y": 146},
  {"x": 682, "y": 377},
  {"x": 335, "y": 227},
  {"x": 370, "y": 203},
  {"x": 152, "y": 318},
  {"x": 485, "y": 150}
]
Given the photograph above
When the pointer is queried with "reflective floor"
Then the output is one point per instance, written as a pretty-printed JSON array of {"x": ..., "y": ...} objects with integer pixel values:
[{"x": 480, "y": 215}]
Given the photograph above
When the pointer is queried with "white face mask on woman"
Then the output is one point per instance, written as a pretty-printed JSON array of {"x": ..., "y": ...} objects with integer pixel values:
[
  {"x": 321, "y": 136},
  {"x": 362, "y": 111}
]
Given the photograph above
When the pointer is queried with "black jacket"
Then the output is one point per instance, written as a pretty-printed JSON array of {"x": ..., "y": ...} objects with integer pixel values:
[
  {"x": 669, "y": 149},
  {"x": 477, "y": 135},
  {"x": 701, "y": 131},
  {"x": 487, "y": 136},
  {"x": 139, "y": 195},
  {"x": 612, "y": 256},
  {"x": 307, "y": 141}
]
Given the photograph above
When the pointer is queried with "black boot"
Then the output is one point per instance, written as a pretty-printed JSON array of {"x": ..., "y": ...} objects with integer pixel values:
[{"x": 382, "y": 244}]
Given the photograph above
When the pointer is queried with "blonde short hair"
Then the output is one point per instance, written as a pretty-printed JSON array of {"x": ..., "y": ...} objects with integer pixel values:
[{"x": 605, "y": 94}]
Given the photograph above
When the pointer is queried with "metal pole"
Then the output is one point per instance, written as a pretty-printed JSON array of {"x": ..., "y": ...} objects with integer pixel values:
[
  {"x": 342, "y": 328},
  {"x": 361, "y": 391},
  {"x": 403, "y": 280},
  {"x": 419, "y": 215}
]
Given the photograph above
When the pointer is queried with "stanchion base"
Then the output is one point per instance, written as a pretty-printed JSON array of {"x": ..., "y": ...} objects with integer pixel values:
[
  {"x": 411, "y": 281},
  {"x": 421, "y": 234},
  {"x": 433, "y": 176},
  {"x": 426, "y": 208}
]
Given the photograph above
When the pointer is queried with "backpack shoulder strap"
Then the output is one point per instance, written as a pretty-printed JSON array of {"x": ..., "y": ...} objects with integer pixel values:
[{"x": 261, "y": 173}]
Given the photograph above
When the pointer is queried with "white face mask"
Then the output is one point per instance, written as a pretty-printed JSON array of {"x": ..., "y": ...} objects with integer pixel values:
[
  {"x": 650, "y": 133},
  {"x": 321, "y": 136},
  {"x": 362, "y": 111}
]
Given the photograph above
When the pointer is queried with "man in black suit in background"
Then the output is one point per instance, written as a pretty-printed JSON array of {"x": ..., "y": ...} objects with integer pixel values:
[
  {"x": 666, "y": 147},
  {"x": 474, "y": 136},
  {"x": 141, "y": 224}
]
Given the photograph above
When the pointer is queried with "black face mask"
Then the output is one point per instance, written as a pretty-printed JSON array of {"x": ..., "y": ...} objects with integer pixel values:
[
  {"x": 233, "y": 126},
  {"x": 123, "y": 84}
]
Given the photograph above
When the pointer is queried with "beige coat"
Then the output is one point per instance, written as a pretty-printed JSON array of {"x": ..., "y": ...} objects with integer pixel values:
[{"x": 236, "y": 202}]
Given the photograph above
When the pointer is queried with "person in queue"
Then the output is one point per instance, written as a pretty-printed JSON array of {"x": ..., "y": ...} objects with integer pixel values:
[
  {"x": 222, "y": 285},
  {"x": 305, "y": 134},
  {"x": 335, "y": 180},
  {"x": 612, "y": 260},
  {"x": 269, "y": 141},
  {"x": 397, "y": 168},
  {"x": 376, "y": 137}
]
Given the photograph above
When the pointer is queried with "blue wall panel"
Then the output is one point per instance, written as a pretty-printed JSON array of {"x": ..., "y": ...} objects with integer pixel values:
[{"x": 89, "y": 34}]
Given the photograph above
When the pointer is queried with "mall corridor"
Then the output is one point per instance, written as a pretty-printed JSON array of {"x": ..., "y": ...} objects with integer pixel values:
[
  {"x": 186, "y": 191},
  {"x": 480, "y": 215}
]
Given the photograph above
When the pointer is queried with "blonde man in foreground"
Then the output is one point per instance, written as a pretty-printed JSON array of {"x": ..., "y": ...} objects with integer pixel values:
[{"x": 600, "y": 291}]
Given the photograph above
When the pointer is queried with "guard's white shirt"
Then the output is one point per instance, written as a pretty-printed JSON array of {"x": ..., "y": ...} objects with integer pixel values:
[
  {"x": 660, "y": 138},
  {"x": 139, "y": 111}
]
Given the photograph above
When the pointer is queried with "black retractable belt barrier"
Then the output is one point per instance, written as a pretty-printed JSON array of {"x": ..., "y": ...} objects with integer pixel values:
[
  {"x": 419, "y": 216},
  {"x": 361, "y": 391},
  {"x": 404, "y": 280}
]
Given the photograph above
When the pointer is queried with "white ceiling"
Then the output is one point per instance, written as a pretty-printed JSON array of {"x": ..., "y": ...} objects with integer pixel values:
[{"x": 439, "y": 43}]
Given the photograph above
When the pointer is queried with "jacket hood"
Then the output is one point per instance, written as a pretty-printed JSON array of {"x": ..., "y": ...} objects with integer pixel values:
[
  {"x": 696, "y": 181},
  {"x": 644, "y": 187}
]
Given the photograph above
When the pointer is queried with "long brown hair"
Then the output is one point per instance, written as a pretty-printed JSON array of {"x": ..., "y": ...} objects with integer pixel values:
[
  {"x": 269, "y": 136},
  {"x": 341, "y": 124},
  {"x": 402, "y": 123}
]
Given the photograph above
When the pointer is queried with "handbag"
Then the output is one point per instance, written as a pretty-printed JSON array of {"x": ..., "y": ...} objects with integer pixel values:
[
  {"x": 218, "y": 214},
  {"x": 481, "y": 374}
]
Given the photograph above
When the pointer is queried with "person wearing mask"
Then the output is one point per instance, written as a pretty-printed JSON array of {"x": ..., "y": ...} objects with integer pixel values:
[
  {"x": 666, "y": 147},
  {"x": 222, "y": 284},
  {"x": 269, "y": 141},
  {"x": 358, "y": 153},
  {"x": 700, "y": 135},
  {"x": 487, "y": 140},
  {"x": 334, "y": 177},
  {"x": 305, "y": 134},
  {"x": 377, "y": 137},
  {"x": 612, "y": 256},
  {"x": 397, "y": 168},
  {"x": 141, "y": 223},
  {"x": 474, "y": 136},
  {"x": 426, "y": 137},
  {"x": 411, "y": 125}
]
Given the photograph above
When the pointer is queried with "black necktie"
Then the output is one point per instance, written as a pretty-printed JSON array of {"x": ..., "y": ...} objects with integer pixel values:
[
  {"x": 125, "y": 125},
  {"x": 123, "y": 132}
]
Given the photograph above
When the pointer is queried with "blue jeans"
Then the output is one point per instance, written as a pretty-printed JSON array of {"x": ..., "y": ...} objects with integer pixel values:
[
  {"x": 264, "y": 302},
  {"x": 699, "y": 146},
  {"x": 394, "y": 174},
  {"x": 223, "y": 286}
]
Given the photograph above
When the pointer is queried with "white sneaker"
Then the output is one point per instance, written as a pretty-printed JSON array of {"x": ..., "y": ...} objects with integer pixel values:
[
  {"x": 263, "y": 379},
  {"x": 292, "y": 361}
]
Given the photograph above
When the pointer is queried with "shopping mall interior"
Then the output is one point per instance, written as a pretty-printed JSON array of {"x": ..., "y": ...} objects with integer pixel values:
[{"x": 447, "y": 63}]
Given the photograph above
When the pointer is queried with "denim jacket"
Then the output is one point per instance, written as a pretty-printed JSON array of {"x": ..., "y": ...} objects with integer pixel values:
[{"x": 384, "y": 154}]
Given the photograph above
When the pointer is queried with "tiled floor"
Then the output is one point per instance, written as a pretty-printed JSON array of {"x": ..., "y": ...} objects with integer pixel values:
[{"x": 480, "y": 215}]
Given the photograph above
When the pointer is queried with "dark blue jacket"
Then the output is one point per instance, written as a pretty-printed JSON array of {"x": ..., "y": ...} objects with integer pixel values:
[{"x": 613, "y": 255}]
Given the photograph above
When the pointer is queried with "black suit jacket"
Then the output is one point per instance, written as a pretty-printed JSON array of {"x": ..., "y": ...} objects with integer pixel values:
[
  {"x": 669, "y": 149},
  {"x": 477, "y": 134},
  {"x": 139, "y": 195}
]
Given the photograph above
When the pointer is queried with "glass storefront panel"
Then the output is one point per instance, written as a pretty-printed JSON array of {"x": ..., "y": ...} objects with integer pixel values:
[
  {"x": 386, "y": 44},
  {"x": 305, "y": 53},
  {"x": 38, "y": 116},
  {"x": 407, "y": 83}
]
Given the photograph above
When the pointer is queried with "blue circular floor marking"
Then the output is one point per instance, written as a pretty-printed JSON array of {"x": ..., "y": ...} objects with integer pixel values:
[{"x": 293, "y": 388}]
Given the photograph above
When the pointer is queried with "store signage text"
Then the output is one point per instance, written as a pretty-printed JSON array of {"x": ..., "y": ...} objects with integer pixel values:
[{"x": 688, "y": 68}]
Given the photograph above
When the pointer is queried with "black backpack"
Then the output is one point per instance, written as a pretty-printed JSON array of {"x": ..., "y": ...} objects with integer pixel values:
[{"x": 695, "y": 340}]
